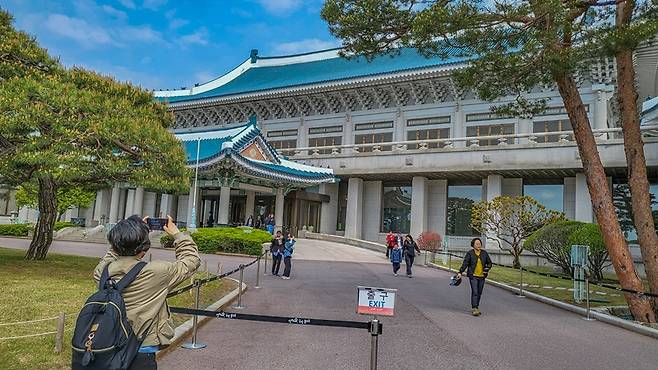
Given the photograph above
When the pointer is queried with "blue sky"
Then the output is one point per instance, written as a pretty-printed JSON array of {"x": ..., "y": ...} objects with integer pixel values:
[{"x": 170, "y": 44}]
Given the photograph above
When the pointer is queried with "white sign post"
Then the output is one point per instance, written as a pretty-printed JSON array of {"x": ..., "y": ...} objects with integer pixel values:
[{"x": 375, "y": 301}]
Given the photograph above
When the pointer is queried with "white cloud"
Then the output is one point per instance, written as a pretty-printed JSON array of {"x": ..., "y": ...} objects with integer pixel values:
[
  {"x": 118, "y": 14},
  {"x": 204, "y": 76},
  {"x": 199, "y": 37},
  {"x": 128, "y": 4},
  {"x": 303, "y": 46},
  {"x": 178, "y": 23},
  {"x": 79, "y": 30},
  {"x": 279, "y": 7},
  {"x": 153, "y": 4},
  {"x": 139, "y": 33}
]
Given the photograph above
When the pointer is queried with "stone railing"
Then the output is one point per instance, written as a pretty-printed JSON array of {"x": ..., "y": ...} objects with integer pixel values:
[{"x": 529, "y": 140}]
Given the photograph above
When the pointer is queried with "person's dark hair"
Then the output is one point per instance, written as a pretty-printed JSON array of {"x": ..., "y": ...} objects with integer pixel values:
[
  {"x": 130, "y": 237},
  {"x": 410, "y": 237},
  {"x": 473, "y": 242}
]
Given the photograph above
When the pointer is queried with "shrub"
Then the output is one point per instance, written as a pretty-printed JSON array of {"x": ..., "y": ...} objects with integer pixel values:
[
  {"x": 59, "y": 225},
  {"x": 226, "y": 239},
  {"x": 15, "y": 229},
  {"x": 553, "y": 243},
  {"x": 429, "y": 241},
  {"x": 590, "y": 234}
]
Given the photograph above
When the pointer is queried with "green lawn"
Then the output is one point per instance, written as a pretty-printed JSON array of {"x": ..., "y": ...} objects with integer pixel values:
[
  {"x": 41, "y": 289},
  {"x": 511, "y": 277}
]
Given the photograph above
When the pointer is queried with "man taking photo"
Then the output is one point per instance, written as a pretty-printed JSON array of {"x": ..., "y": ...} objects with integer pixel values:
[{"x": 146, "y": 297}]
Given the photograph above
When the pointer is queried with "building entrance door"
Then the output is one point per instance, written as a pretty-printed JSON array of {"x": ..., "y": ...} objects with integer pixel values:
[{"x": 237, "y": 214}]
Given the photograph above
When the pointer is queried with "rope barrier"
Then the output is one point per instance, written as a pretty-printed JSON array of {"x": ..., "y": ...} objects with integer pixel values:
[
  {"x": 596, "y": 283},
  {"x": 29, "y": 335},
  {"x": 30, "y": 321},
  {"x": 274, "y": 319}
]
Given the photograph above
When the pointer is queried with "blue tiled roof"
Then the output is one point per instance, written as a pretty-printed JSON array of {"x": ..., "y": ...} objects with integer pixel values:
[
  {"x": 207, "y": 149},
  {"x": 331, "y": 69}
]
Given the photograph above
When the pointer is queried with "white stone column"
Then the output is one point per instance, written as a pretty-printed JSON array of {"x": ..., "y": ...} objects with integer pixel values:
[
  {"x": 101, "y": 206},
  {"x": 138, "y": 204},
  {"x": 458, "y": 126},
  {"x": 114, "y": 204},
  {"x": 130, "y": 202},
  {"x": 354, "y": 216},
  {"x": 224, "y": 199},
  {"x": 419, "y": 198},
  {"x": 584, "y": 211},
  {"x": 301, "y": 135},
  {"x": 249, "y": 206},
  {"x": 192, "y": 209},
  {"x": 372, "y": 203},
  {"x": 494, "y": 187},
  {"x": 569, "y": 197},
  {"x": 123, "y": 194},
  {"x": 329, "y": 211},
  {"x": 524, "y": 127},
  {"x": 399, "y": 127},
  {"x": 437, "y": 206},
  {"x": 348, "y": 130},
  {"x": 278, "y": 210},
  {"x": 207, "y": 209}
]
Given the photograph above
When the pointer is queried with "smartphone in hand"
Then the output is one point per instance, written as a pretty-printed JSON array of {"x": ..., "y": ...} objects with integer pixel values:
[{"x": 156, "y": 224}]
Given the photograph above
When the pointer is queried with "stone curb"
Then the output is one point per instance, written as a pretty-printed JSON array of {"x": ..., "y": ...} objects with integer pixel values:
[
  {"x": 608, "y": 319},
  {"x": 185, "y": 329}
]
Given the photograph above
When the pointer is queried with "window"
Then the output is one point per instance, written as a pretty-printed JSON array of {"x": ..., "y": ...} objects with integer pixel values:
[
  {"x": 551, "y": 111},
  {"x": 284, "y": 147},
  {"x": 437, "y": 133},
  {"x": 396, "y": 209},
  {"x": 384, "y": 137},
  {"x": 373, "y": 126},
  {"x": 428, "y": 121},
  {"x": 325, "y": 141},
  {"x": 487, "y": 116},
  {"x": 324, "y": 130},
  {"x": 550, "y": 196},
  {"x": 342, "y": 206},
  {"x": 461, "y": 199},
  {"x": 551, "y": 126},
  {"x": 282, "y": 133},
  {"x": 490, "y": 130},
  {"x": 621, "y": 197}
]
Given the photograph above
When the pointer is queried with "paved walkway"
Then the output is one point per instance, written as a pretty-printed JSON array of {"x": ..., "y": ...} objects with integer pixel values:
[{"x": 432, "y": 328}]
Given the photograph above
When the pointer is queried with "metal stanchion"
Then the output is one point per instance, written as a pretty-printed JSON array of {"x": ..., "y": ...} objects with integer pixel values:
[
  {"x": 194, "y": 344},
  {"x": 520, "y": 295},
  {"x": 265, "y": 272},
  {"x": 257, "y": 286},
  {"x": 588, "y": 317},
  {"x": 449, "y": 258},
  {"x": 374, "y": 330},
  {"x": 239, "y": 306},
  {"x": 150, "y": 257}
]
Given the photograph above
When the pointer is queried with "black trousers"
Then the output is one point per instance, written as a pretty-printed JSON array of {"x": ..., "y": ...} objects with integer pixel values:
[
  {"x": 144, "y": 361},
  {"x": 396, "y": 267},
  {"x": 287, "y": 263},
  {"x": 276, "y": 263},
  {"x": 409, "y": 261},
  {"x": 477, "y": 284}
]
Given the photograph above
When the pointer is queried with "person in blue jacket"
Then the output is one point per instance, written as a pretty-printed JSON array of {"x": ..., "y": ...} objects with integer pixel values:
[
  {"x": 396, "y": 258},
  {"x": 288, "y": 248}
]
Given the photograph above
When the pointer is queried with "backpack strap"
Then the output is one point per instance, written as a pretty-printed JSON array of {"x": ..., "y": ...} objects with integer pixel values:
[
  {"x": 130, "y": 276},
  {"x": 105, "y": 276}
]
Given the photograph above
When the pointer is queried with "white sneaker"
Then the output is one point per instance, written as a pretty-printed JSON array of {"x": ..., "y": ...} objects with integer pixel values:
[
  {"x": 395, "y": 274},
  {"x": 286, "y": 278}
]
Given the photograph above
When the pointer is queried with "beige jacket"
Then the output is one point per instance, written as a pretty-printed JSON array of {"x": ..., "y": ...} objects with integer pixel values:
[{"x": 146, "y": 297}]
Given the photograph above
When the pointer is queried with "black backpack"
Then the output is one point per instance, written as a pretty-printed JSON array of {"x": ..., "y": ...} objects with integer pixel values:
[{"x": 103, "y": 337}]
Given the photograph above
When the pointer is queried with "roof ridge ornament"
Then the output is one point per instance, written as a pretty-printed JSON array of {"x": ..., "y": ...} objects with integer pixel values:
[{"x": 253, "y": 56}]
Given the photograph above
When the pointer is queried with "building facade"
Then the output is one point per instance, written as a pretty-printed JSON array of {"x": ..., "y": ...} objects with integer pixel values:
[{"x": 412, "y": 151}]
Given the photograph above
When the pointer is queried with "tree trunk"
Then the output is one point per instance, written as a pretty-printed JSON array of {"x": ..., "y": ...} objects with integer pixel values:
[
  {"x": 604, "y": 209},
  {"x": 43, "y": 230},
  {"x": 517, "y": 262},
  {"x": 635, "y": 160}
]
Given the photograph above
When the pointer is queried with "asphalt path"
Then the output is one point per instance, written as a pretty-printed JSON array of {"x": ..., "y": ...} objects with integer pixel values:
[{"x": 432, "y": 328}]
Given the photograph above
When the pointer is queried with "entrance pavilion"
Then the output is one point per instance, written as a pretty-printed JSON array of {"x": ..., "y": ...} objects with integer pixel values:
[{"x": 238, "y": 175}]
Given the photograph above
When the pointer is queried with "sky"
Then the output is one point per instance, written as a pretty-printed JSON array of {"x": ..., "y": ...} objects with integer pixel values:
[{"x": 161, "y": 44}]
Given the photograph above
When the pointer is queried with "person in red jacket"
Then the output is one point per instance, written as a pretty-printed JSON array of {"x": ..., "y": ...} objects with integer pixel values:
[{"x": 391, "y": 241}]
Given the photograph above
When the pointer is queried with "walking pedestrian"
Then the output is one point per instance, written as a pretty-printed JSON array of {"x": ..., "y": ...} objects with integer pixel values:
[
  {"x": 288, "y": 248},
  {"x": 276, "y": 249},
  {"x": 477, "y": 264},
  {"x": 409, "y": 248},
  {"x": 396, "y": 258},
  {"x": 390, "y": 242}
]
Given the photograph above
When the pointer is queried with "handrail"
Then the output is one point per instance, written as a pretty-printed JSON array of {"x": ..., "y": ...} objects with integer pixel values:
[{"x": 473, "y": 139}]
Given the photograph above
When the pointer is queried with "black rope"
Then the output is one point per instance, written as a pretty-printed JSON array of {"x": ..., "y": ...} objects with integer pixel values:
[
  {"x": 276, "y": 319},
  {"x": 596, "y": 283}
]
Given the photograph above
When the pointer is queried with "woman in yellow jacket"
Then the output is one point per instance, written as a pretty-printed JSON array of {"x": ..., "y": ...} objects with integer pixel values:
[{"x": 476, "y": 264}]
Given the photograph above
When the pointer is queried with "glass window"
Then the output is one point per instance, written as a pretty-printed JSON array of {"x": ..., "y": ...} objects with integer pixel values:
[
  {"x": 373, "y": 126},
  {"x": 428, "y": 121},
  {"x": 396, "y": 209},
  {"x": 325, "y": 141},
  {"x": 461, "y": 199},
  {"x": 384, "y": 137},
  {"x": 550, "y": 196},
  {"x": 438, "y": 133},
  {"x": 324, "y": 130},
  {"x": 284, "y": 147},
  {"x": 282, "y": 133},
  {"x": 486, "y": 116},
  {"x": 621, "y": 197},
  {"x": 551, "y": 126},
  {"x": 490, "y": 130},
  {"x": 342, "y": 206}
]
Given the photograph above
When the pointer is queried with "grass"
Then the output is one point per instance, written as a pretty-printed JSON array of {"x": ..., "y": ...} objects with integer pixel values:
[
  {"x": 42, "y": 289},
  {"x": 510, "y": 276}
]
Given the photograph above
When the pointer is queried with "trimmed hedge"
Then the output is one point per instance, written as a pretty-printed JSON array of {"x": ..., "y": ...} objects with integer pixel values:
[
  {"x": 59, "y": 225},
  {"x": 240, "y": 240},
  {"x": 15, "y": 229}
]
